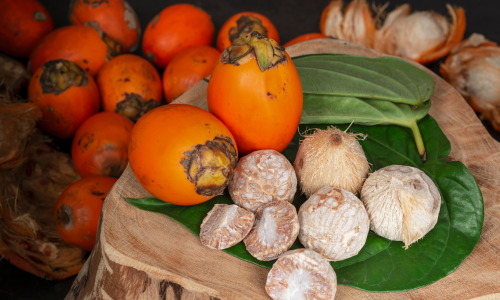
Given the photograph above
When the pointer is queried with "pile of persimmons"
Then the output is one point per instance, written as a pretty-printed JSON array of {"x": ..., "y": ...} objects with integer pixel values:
[{"x": 93, "y": 91}]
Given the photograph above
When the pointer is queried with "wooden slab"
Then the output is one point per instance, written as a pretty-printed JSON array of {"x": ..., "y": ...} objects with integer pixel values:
[{"x": 143, "y": 255}]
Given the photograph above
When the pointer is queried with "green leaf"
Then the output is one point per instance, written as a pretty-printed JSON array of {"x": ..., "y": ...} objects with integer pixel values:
[
  {"x": 324, "y": 109},
  {"x": 386, "y": 78},
  {"x": 383, "y": 265}
]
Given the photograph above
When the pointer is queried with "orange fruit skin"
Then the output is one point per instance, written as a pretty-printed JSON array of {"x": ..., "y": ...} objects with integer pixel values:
[
  {"x": 223, "y": 38},
  {"x": 174, "y": 29},
  {"x": 261, "y": 109},
  {"x": 187, "y": 68},
  {"x": 101, "y": 142},
  {"x": 158, "y": 143},
  {"x": 20, "y": 30},
  {"x": 85, "y": 199},
  {"x": 128, "y": 73},
  {"x": 77, "y": 43},
  {"x": 305, "y": 37},
  {"x": 63, "y": 113},
  {"x": 115, "y": 17}
]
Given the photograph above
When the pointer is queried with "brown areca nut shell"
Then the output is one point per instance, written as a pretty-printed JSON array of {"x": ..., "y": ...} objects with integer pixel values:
[
  {"x": 301, "y": 274},
  {"x": 225, "y": 226},
  {"x": 334, "y": 223},
  {"x": 114, "y": 17},
  {"x": 129, "y": 85},
  {"x": 262, "y": 177},
  {"x": 275, "y": 229},
  {"x": 80, "y": 44},
  {"x": 402, "y": 202}
]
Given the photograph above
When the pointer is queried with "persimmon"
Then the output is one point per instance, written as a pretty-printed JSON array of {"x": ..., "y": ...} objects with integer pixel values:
[
  {"x": 115, "y": 17},
  {"x": 23, "y": 23},
  {"x": 255, "y": 91},
  {"x": 243, "y": 23},
  {"x": 66, "y": 94},
  {"x": 182, "y": 154},
  {"x": 187, "y": 68},
  {"x": 78, "y": 208},
  {"x": 100, "y": 145},
  {"x": 174, "y": 29},
  {"x": 80, "y": 44},
  {"x": 129, "y": 85},
  {"x": 305, "y": 37}
]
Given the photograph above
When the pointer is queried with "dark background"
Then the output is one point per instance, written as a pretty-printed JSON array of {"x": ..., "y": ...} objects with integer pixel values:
[{"x": 292, "y": 18}]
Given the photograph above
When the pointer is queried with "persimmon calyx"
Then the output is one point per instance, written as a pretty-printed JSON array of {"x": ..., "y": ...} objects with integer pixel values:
[
  {"x": 64, "y": 217},
  {"x": 267, "y": 52},
  {"x": 114, "y": 48},
  {"x": 59, "y": 75},
  {"x": 211, "y": 166},
  {"x": 246, "y": 25},
  {"x": 133, "y": 106}
]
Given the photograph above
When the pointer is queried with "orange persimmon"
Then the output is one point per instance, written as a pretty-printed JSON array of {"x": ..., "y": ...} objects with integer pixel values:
[
  {"x": 78, "y": 208},
  {"x": 115, "y": 17},
  {"x": 174, "y": 29},
  {"x": 23, "y": 23},
  {"x": 80, "y": 44},
  {"x": 100, "y": 145},
  {"x": 243, "y": 23},
  {"x": 256, "y": 92},
  {"x": 305, "y": 37},
  {"x": 182, "y": 154},
  {"x": 66, "y": 94},
  {"x": 187, "y": 68},
  {"x": 129, "y": 85}
]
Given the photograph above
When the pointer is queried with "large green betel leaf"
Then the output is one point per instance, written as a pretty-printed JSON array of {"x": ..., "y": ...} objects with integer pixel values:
[
  {"x": 383, "y": 265},
  {"x": 385, "y": 78},
  {"x": 367, "y": 91}
]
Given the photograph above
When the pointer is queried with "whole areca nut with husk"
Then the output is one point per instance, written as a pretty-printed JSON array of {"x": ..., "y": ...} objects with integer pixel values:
[
  {"x": 334, "y": 223},
  {"x": 262, "y": 177},
  {"x": 225, "y": 226},
  {"x": 331, "y": 157},
  {"x": 422, "y": 36},
  {"x": 402, "y": 202},
  {"x": 301, "y": 274},
  {"x": 473, "y": 68},
  {"x": 275, "y": 229}
]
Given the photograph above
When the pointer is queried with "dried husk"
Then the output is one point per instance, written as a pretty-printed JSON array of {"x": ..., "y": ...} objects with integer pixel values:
[
  {"x": 356, "y": 24},
  {"x": 13, "y": 75},
  {"x": 473, "y": 68},
  {"x": 17, "y": 123},
  {"x": 30, "y": 183},
  {"x": 421, "y": 36},
  {"x": 331, "y": 158},
  {"x": 27, "y": 225}
]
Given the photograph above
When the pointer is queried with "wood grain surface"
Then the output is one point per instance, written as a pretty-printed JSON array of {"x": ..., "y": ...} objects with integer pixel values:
[{"x": 143, "y": 255}]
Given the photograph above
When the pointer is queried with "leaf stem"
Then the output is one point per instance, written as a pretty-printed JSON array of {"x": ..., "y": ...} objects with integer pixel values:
[{"x": 418, "y": 140}]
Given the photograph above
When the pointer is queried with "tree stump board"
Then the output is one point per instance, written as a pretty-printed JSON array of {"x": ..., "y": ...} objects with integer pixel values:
[{"x": 143, "y": 255}]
